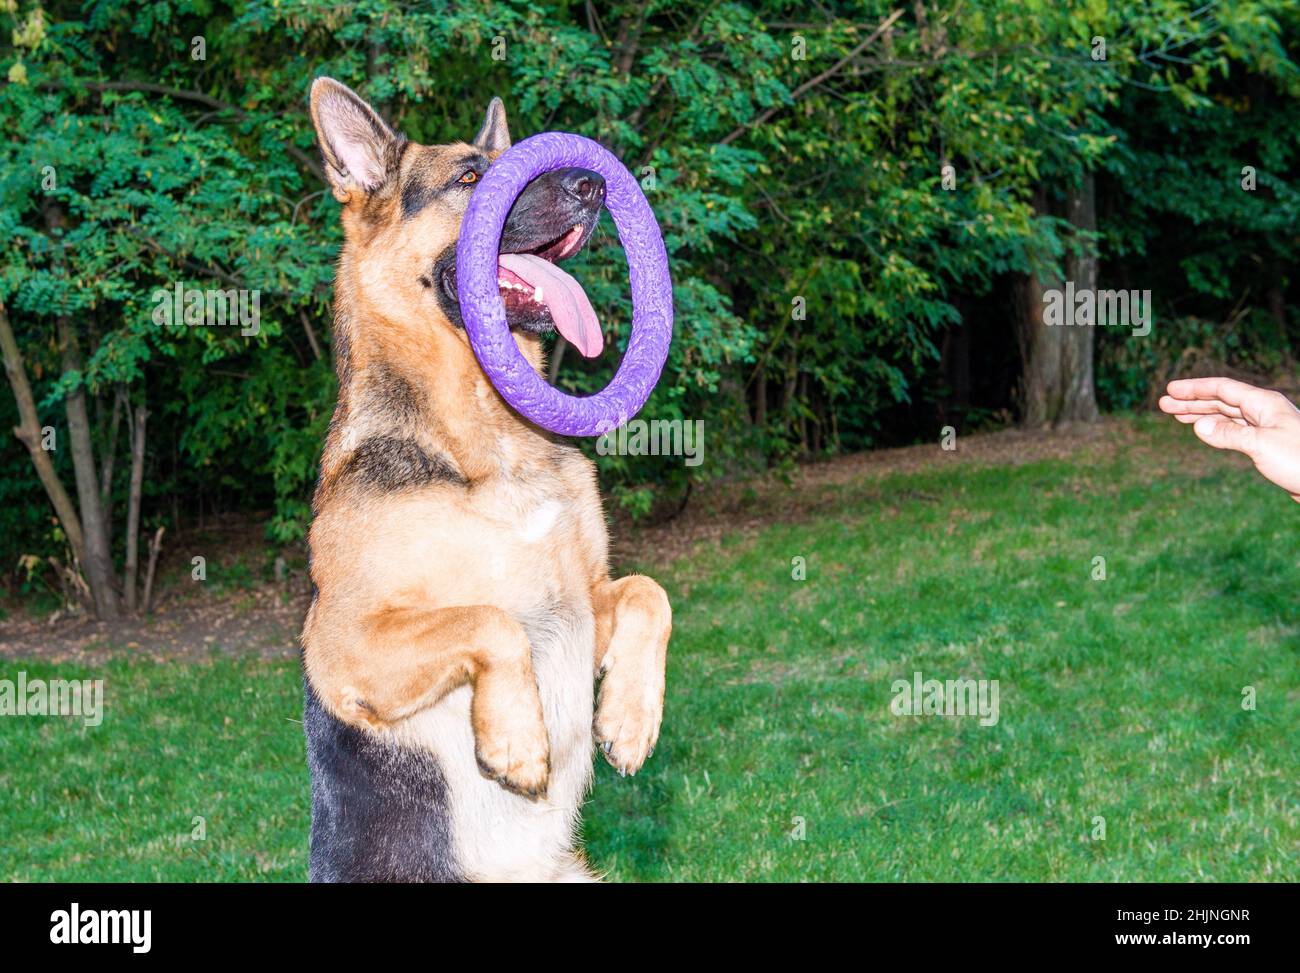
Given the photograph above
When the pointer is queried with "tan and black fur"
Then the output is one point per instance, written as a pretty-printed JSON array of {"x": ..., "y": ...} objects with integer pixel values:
[{"x": 464, "y": 608}]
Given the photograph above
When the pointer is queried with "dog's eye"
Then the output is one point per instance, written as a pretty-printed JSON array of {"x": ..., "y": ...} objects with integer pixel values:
[{"x": 468, "y": 177}]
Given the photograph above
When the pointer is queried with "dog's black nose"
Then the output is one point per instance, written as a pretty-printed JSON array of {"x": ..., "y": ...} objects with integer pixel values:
[{"x": 584, "y": 185}]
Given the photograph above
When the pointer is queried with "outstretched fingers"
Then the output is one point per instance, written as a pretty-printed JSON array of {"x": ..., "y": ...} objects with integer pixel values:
[
  {"x": 1227, "y": 390},
  {"x": 1185, "y": 408},
  {"x": 1219, "y": 396}
]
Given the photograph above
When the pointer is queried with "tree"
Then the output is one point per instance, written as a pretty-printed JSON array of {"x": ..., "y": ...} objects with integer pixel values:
[{"x": 840, "y": 193}]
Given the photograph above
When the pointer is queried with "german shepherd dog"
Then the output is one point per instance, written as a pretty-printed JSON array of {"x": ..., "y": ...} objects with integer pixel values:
[{"x": 463, "y": 608}]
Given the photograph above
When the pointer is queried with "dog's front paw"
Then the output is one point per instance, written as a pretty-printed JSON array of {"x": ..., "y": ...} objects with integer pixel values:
[
  {"x": 628, "y": 714},
  {"x": 515, "y": 752}
]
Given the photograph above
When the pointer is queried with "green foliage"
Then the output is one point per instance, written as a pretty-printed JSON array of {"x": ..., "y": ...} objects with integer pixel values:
[
  {"x": 1209, "y": 210},
  {"x": 1133, "y": 371},
  {"x": 775, "y": 178}
]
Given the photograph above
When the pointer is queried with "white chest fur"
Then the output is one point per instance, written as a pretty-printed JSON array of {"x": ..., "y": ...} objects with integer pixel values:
[
  {"x": 541, "y": 521},
  {"x": 498, "y": 834}
]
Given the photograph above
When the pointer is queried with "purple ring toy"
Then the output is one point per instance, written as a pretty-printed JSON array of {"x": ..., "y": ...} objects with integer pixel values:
[{"x": 485, "y": 315}]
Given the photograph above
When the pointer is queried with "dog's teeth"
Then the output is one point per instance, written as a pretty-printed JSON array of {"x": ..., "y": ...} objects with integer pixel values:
[{"x": 537, "y": 295}]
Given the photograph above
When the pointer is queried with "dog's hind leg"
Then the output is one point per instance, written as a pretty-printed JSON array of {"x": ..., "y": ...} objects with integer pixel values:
[
  {"x": 410, "y": 658},
  {"x": 633, "y": 623}
]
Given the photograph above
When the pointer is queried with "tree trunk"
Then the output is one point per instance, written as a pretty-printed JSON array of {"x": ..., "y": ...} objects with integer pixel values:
[
  {"x": 133, "y": 505},
  {"x": 106, "y": 461},
  {"x": 1277, "y": 308},
  {"x": 99, "y": 559},
  {"x": 311, "y": 334},
  {"x": 1277, "y": 304},
  {"x": 1057, "y": 382},
  {"x": 98, "y": 562},
  {"x": 803, "y": 418},
  {"x": 28, "y": 432},
  {"x": 1040, "y": 353},
  {"x": 787, "y": 391},
  {"x": 557, "y": 356},
  {"x": 954, "y": 362},
  {"x": 1079, "y": 394},
  {"x": 815, "y": 430},
  {"x": 155, "y": 546}
]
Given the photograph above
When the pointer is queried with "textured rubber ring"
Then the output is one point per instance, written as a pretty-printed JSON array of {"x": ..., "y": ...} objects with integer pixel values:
[{"x": 485, "y": 315}]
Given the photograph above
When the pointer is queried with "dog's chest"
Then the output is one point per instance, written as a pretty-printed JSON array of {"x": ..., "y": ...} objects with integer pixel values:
[
  {"x": 541, "y": 549},
  {"x": 554, "y": 607},
  {"x": 539, "y": 522},
  {"x": 533, "y": 544}
]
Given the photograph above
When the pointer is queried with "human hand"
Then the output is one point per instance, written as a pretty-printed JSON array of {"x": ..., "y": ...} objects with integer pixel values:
[{"x": 1228, "y": 414}]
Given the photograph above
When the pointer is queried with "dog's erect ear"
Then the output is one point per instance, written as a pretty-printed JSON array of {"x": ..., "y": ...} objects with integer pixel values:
[
  {"x": 494, "y": 136},
  {"x": 361, "y": 152}
]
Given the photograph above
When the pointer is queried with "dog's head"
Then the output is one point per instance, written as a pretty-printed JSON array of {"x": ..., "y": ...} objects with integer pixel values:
[{"x": 402, "y": 209}]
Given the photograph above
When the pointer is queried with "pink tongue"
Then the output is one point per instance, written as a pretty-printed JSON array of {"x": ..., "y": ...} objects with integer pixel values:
[{"x": 572, "y": 313}]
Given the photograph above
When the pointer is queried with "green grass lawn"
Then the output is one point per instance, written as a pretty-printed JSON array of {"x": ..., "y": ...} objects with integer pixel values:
[{"x": 1120, "y": 699}]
